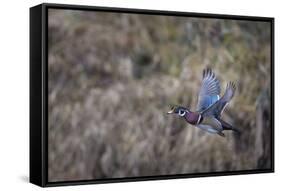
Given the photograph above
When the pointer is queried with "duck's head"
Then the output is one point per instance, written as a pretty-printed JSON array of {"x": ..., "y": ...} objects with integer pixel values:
[{"x": 179, "y": 110}]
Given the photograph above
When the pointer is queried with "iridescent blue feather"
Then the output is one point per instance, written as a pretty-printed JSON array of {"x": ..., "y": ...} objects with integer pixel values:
[
  {"x": 208, "y": 100},
  {"x": 209, "y": 92}
]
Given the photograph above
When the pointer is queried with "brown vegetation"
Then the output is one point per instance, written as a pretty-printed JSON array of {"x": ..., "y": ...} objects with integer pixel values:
[{"x": 113, "y": 77}]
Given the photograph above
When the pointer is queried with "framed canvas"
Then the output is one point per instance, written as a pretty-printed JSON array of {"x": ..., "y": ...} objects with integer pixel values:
[{"x": 127, "y": 95}]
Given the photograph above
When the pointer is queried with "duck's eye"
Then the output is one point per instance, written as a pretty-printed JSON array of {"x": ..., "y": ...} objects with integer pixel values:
[{"x": 181, "y": 112}]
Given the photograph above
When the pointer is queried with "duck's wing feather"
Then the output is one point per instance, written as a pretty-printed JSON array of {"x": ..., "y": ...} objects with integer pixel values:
[
  {"x": 217, "y": 108},
  {"x": 209, "y": 91},
  {"x": 210, "y": 124}
]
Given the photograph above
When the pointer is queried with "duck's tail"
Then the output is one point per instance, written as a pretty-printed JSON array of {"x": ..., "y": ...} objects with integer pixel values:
[{"x": 227, "y": 126}]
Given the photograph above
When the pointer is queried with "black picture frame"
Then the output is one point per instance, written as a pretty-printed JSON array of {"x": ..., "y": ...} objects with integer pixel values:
[{"x": 39, "y": 93}]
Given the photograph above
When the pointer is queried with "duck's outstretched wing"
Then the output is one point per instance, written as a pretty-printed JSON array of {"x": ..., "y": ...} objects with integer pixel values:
[
  {"x": 210, "y": 90},
  {"x": 217, "y": 108}
]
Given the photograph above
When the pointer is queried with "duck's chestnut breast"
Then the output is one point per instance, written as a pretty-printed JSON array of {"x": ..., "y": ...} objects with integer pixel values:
[{"x": 192, "y": 118}]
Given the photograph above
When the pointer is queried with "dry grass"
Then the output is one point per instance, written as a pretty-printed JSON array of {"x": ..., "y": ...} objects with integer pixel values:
[{"x": 112, "y": 77}]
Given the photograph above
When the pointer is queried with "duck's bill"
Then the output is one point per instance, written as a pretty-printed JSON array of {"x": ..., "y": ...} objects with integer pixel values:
[{"x": 170, "y": 112}]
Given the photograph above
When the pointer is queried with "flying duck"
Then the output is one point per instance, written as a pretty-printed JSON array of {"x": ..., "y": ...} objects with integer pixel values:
[{"x": 210, "y": 106}]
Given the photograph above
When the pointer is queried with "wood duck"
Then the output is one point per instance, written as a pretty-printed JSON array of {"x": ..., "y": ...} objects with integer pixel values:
[{"x": 210, "y": 106}]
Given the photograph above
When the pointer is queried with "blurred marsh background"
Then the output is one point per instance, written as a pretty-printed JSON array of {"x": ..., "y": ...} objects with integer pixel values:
[{"x": 113, "y": 77}]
